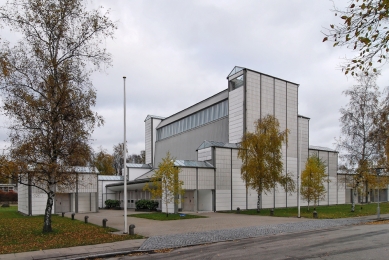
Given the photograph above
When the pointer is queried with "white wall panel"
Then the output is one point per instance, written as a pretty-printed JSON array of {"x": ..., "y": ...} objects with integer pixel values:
[
  {"x": 267, "y": 98},
  {"x": 23, "y": 198},
  {"x": 252, "y": 199},
  {"x": 188, "y": 176},
  {"x": 156, "y": 122},
  {"x": 87, "y": 183},
  {"x": 39, "y": 201},
  {"x": 235, "y": 115},
  {"x": 205, "y": 200},
  {"x": 292, "y": 110},
  {"x": 206, "y": 179},
  {"x": 333, "y": 191},
  {"x": 223, "y": 169},
  {"x": 267, "y": 200},
  {"x": 253, "y": 99},
  {"x": 136, "y": 172},
  {"x": 148, "y": 144},
  {"x": 292, "y": 171},
  {"x": 84, "y": 202},
  {"x": 223, "y": 200},
  {"x": 204, "y": 154}
]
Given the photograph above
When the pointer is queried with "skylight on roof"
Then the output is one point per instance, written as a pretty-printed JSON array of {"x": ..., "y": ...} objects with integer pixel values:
[{"x": 235, "y": 70}]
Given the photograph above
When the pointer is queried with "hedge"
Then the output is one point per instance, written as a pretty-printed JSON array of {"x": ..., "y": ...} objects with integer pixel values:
[
  {"x": 146, "y": 204},
  {"x": 112, "y": 204},
  {"x": 8, "y": 196}
]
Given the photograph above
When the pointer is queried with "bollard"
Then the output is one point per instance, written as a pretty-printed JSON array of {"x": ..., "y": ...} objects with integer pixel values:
[
  {"x": 105, "y": 223},
  {"x": 131, "y": 229},
  {"x": 63, "y": 214},
  {"x": 314, "y": 214},
  {"x": 73, "y": 215},
  {"x": 86, "y": 219},
  {"x": 237, "y": 210},
  {"x": 272, "y": 212}
]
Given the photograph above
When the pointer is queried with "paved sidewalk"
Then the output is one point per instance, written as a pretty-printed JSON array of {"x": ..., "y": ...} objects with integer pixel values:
[
  {"x": 214, "y": 221},
  {"x": 217, "y": 227},
  {"x": 79, "y": 252}
]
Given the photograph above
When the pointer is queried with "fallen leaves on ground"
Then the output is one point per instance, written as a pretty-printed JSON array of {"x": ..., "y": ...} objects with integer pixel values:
[
  {"x": 378, "y": 222},
  {"x": 24, "y": 233}
]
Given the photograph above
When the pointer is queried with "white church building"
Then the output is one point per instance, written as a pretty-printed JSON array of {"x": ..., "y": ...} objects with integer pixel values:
[{"x": 203, "y": 138}]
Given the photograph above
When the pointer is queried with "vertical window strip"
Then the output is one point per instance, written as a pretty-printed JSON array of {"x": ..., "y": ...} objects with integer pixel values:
[{"x": 202, "y": 117}]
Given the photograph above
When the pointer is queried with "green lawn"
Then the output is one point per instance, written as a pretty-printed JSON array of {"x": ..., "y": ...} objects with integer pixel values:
[
  {"x": 334, "y": 211},
  {"x": 162, "y": 216},
  {"x": 20, "y": 233}
]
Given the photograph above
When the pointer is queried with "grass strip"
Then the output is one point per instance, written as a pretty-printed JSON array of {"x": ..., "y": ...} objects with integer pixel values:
[
  {"x": 21, "y": 233},
  {"x": 323, "y": 212}
]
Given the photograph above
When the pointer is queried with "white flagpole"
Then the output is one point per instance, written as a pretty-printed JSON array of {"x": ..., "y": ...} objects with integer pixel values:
[{"x": 124, "y": 163}]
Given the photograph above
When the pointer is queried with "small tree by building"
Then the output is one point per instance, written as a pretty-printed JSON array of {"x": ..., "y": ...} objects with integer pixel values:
[
  {"x": 312, "y": 180},
  {"x": 262, "y": 157},
  {"x": 165, "y": 183}
]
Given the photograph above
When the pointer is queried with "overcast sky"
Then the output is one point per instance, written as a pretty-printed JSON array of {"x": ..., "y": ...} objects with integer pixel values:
[{"x": 177, "y": 53}]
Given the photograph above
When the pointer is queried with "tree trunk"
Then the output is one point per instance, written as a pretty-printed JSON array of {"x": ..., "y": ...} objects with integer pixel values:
[
  {"x": 353, "y": 201},
  {"x": 49, "y": 206},
  {"x": 166, "y": 202},
  {"x": 259, "y": 202},
  {"x": 308, "y": 205}
]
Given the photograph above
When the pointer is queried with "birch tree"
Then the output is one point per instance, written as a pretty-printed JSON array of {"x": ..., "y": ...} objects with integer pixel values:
[
  {"x": 46, "y": 91},
  {"x": 312, "y": 180},
  {"x": 118, "y": 161},
  {"x": 363, "y": 28},
  {"x": 165, "y": 183},
  {"x": 358, "y": 145},
  {"x": 261, "y": 156}
]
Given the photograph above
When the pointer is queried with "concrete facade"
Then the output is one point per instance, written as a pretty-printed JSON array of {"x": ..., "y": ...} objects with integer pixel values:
[
  {"x": 210, "y": 131},
  {"x": 82, "y": 197}
]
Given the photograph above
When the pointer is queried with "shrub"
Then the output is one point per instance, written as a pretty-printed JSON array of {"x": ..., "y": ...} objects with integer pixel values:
[
  {"x": 8, "y": 196},
  {"x": 147, "y": 204},
  {"x": 112, "y": 204}
]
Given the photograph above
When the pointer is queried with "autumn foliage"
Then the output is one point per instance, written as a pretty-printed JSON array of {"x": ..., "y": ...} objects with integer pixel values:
[
  {"x": 46, "y": 92},
  {"x": 165, "y": 183},
  {"x": 23, "y": 233},
  {"x": 363, "y": 28},
  {"x": 312, "y": 180},
  {"x": 261, "y": 154},
  {"x": 10, "y": 196}
]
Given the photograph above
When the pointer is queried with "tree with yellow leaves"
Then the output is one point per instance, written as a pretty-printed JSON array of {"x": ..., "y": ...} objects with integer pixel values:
[
  {"x": 312, "y": 180},
  {"x": 261, "y": 156},
  {"x": 165, "y": 183},
  {"x": 46, "y": 90}
]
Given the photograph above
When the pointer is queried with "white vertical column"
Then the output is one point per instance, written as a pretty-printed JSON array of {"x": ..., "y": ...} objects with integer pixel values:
[{"x": 125, "y": 231}]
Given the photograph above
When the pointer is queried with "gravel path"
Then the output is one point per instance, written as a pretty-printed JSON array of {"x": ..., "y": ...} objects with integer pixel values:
[{"x": 189, "y": 239}]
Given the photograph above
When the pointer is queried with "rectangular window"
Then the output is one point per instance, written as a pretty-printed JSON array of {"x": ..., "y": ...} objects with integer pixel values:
[
  {"x": 236, "y": 82},
  {"x": 199, "y": 118}
]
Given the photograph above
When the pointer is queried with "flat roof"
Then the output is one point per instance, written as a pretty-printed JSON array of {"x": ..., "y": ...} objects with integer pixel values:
[
  {"x": 207, "y": 144},
  {"x": 238, "y": 69},
  {"x": 138, "y": 165},
  {"x": 321, "y": 148},
  {"x": 110, "y": 178},
  {"x": 192, "y": 164}
]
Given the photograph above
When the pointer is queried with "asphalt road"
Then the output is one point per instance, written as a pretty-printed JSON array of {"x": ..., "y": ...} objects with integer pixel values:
[{"x": 352, "y": 242}]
